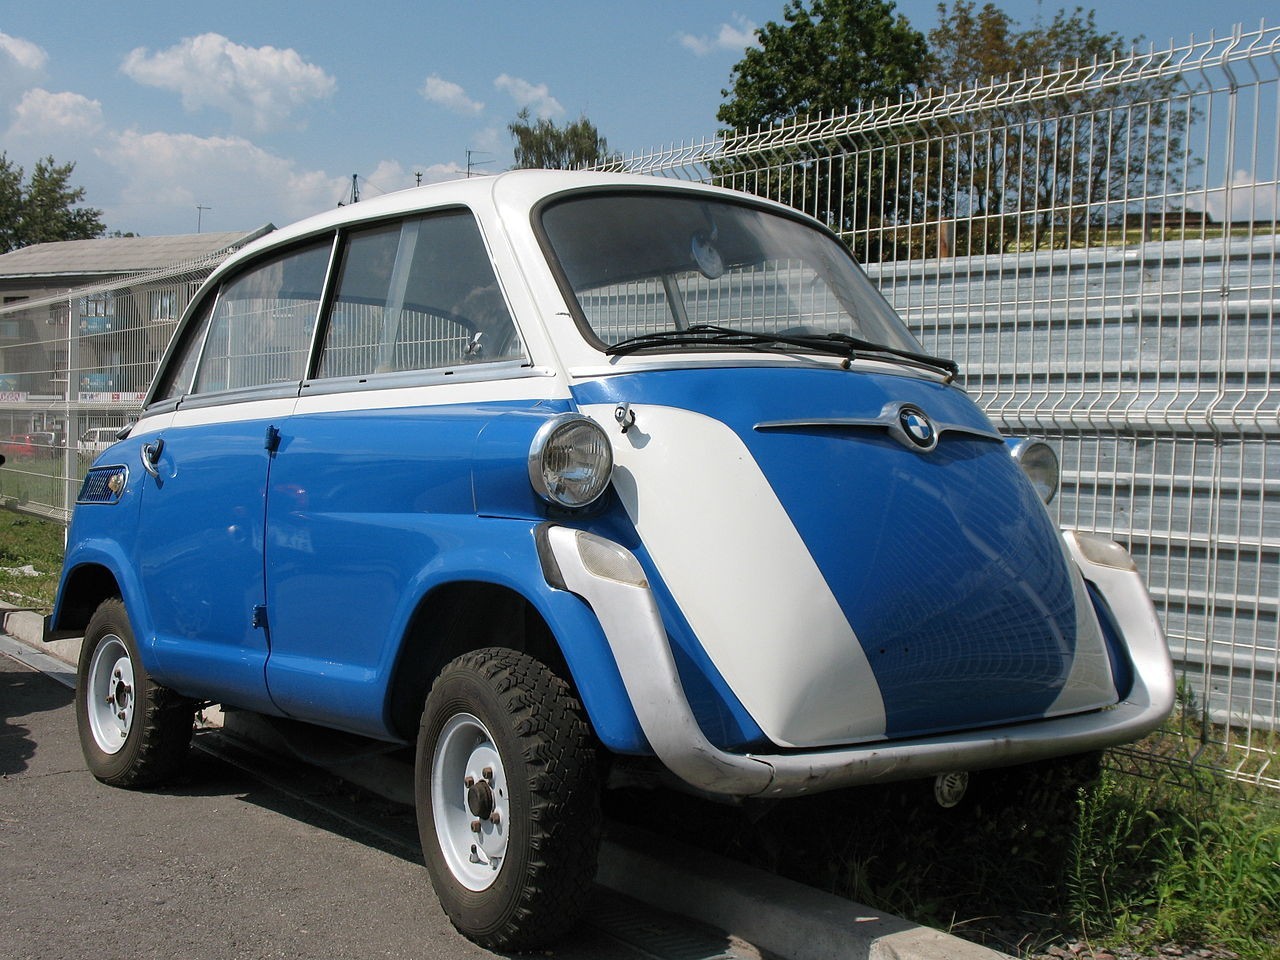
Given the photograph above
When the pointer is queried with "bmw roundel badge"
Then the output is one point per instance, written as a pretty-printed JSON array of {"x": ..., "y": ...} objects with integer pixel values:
[{"x": 916, "y": 430}]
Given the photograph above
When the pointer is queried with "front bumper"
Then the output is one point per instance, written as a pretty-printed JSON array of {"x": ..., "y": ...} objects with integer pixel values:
[{"x": 628, "y": 615}]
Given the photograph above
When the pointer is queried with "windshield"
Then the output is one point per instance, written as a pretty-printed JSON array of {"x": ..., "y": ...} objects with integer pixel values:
[{"x": 646, "y": 263}]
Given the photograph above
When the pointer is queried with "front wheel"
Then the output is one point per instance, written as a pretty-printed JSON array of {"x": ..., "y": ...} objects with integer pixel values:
[
  {"x": 133, "y": 732},
  {"x": 508, "y": 799}
]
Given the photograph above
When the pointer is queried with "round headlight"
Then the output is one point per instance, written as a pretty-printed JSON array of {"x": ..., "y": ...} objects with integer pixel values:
[
  {"x": 570, "y": 461},
  {"x": 1040, "y": 464}
]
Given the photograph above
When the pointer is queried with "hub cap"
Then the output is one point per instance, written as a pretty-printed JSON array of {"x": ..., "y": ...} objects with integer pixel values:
[
  {"x": 110, "y": 694},
  {"x": 469, "y": 801}
]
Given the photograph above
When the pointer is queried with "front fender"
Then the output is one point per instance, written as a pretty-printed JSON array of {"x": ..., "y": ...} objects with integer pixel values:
[{"x": 504, "y": 553}]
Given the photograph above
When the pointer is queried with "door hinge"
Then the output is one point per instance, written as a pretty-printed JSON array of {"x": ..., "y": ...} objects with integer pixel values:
[
  {"x": 259, "y": 620},
  {"x": 272, "y": 440}
]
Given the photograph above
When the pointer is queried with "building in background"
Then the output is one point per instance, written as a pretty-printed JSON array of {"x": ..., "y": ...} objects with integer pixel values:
[{"x": 83, "y": 322}]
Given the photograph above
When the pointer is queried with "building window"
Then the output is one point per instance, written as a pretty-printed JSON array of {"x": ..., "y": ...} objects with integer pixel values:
[{"x": 162, "y": 306}]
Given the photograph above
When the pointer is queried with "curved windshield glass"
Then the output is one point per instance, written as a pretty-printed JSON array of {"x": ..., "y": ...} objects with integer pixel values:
[{"x": 644, "y": 264}]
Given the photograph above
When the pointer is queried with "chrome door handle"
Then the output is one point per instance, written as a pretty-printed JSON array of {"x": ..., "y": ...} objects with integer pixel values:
[{"x": 151, "y": 456}]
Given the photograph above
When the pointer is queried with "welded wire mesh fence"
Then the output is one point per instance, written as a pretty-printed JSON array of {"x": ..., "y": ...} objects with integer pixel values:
[{"x": 1097, "y": 246}]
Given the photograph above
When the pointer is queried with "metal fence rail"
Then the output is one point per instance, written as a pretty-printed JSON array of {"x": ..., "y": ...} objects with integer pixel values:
[{"x": 1097, "y": 247}]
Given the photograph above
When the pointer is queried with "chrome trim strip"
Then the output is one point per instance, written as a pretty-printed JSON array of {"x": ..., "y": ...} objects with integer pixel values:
[{"x": 880, "y": 422}]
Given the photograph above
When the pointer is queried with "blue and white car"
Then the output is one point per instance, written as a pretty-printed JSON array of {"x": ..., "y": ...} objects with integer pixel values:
[{"x": 558, "y": 473}]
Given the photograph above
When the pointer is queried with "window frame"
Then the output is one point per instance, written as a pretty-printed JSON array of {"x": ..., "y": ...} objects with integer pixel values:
[{"x": 504, "y": 369}]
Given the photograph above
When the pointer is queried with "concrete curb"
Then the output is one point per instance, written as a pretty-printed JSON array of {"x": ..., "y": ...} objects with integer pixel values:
[
  {"x": 778, "y": 915},
  {"x": 785, "y": 918}
]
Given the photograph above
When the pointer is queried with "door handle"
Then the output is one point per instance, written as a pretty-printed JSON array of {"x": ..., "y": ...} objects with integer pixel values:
[{"x": 151, "y": 456}]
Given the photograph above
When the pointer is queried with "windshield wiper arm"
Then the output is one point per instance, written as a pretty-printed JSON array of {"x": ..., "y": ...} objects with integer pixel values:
[{"x": 836, "y": 344}]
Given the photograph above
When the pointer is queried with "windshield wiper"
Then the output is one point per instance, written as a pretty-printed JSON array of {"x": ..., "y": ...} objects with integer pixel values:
[{"x": 836, "y": 344}]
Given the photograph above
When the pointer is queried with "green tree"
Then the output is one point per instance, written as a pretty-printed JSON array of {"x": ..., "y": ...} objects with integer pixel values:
[
  {"x": 543, "y": 145},
  {"x": 10, "y": 204},
  {"x": 44, "y": 208},
  {"x": 1073, "y": 159},
  {"x": 825, "y": 57}
]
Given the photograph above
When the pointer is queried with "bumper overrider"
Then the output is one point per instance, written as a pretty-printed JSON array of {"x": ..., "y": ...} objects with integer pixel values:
[{"x": 610, "y": 579}]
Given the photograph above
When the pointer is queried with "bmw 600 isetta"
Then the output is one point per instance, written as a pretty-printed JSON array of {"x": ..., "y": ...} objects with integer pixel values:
[{"x": 548, "y": 471}]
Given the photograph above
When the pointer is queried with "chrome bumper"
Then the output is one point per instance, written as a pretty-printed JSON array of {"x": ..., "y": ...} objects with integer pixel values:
[{"x": 620, "y": 597}]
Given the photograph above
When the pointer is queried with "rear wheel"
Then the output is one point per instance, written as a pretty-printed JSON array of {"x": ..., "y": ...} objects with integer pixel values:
[
  {"x": 133, "y": 732},
  {"x": 508, "y": 800}
]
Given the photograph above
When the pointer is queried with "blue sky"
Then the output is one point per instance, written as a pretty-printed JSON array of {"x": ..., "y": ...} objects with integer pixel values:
[{"x": 263, "y": 110}]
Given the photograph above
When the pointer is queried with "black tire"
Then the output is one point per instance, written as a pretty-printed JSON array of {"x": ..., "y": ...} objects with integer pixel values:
[
  {"x": 155, "y": 729},
  {"x": 544, "y": 789}
]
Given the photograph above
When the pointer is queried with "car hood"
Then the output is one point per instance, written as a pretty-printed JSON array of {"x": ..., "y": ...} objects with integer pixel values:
[{"x": 846, "y": 583}]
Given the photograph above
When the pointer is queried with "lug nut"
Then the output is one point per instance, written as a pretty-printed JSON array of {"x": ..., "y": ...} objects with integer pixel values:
[
  {"x": 469, "y": 782},
  {"x": 487, "y": 773},
  {"x": 495, "y": 818},
  {"x": 475, "y": 826}
]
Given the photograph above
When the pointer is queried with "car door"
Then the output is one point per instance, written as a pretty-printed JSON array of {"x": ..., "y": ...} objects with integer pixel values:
[
  {"x": 201, "y": 533},
  {"x": 374, "y": 470}
]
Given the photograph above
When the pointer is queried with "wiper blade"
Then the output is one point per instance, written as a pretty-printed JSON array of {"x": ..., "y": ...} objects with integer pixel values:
[
  {"x": 836, "y": 344},
  {"x": 862, "y": 348}
]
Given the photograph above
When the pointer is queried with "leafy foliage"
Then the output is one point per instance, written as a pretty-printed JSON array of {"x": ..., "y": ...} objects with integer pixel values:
[
  {"x": 825, "y": 57},
  {"x": 541, "y": 144},
  {"x": 44, "y": 208},
  {"x": 1075, "y": 158}
]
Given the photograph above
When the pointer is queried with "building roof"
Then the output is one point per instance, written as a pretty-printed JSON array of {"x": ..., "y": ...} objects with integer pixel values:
[{"x": 112, "y": 256}]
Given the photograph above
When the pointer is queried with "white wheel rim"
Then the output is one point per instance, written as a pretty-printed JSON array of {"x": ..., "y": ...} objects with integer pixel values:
[
  {"x": 110, "y": 694},
  {"x": 470, "y": 808}
]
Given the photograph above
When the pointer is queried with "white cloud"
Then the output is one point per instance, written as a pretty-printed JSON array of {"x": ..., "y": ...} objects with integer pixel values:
[
  {"x": 21, "y": 65},
  {"x": 1250, "y": 199},
  {"x": 23, "y": 53},
  {"x": 537, "y": 97},
  {"x": 41, "y": 115},
  {"x": 450, "y": 96},
  {"x": 735, "y": 37},
  {"x": 244, "y": 185},
  {"x": 258, "y": 86}
]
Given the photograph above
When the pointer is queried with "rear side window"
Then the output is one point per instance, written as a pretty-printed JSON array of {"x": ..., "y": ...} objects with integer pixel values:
[
  {"x": 182, "y": 367},
  {"x": 417, "y": 295},
  {"x": 260, "y": 330}
]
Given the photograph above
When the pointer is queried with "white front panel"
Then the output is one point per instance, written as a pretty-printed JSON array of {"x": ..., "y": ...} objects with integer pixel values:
[{"x": 743, "y": 577}]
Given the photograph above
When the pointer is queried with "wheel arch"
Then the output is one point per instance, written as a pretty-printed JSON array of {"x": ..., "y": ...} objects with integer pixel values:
[
  {"x": 555, "y": 627},
  {"x": 84, "y": 588}
]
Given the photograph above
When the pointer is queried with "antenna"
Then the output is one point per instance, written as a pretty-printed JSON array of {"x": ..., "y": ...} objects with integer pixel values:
[{"x": 475, "y": 163}]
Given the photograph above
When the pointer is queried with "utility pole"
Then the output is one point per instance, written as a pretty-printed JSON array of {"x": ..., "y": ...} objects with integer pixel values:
[
  {"x": 200, "y": 209},
  {"x": 418, "y": 176},
  {"x": 355, "y": 188}
]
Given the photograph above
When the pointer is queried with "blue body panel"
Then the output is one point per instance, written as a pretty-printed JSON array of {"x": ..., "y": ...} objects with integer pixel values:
[
  {"x": 946, "y": 565},
  {"x": 371, "y": 511},
  {"x": 198, "y": 554}
]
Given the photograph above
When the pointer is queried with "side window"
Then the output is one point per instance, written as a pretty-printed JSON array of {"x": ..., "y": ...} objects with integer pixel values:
[
  {"x": 182, "y": 366},
  {"x": 417, "y": 295},
  {"x": 260, "y": 331}
]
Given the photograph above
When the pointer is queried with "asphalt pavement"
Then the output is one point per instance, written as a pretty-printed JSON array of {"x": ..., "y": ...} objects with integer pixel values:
[{"x": 234, "y": 861}]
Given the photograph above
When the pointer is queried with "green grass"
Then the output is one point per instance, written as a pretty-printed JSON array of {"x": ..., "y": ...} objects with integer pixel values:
[
  {"x": 29, "y": 541},
  {"x": 1056, "y": 852}
]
